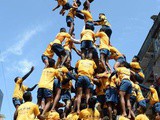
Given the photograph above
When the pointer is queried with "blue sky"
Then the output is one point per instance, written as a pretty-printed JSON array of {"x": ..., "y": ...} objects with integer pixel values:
[{"x": 28, "y": 26}]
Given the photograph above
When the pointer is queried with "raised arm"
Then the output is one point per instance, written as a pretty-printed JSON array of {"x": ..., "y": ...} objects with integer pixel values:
[
  {"x": 56, "y": 8},
  {"x": 32, "y": 88},
  {"x": 25, "y": 76}
]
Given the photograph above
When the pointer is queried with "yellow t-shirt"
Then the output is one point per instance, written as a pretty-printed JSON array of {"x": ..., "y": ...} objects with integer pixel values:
[
  {"x": 72, "y": 12},
  {"x": 123, "y": 73},
  {"x": 115, "y": 53},
  {"x": 87, "y": 35},
  {"x": 104, "y": 83},
  {"x": 61, "y": 37},
  {"x": 104, "y": 40},
  {"x": 87, "y": 15},
  {"x": 28, "y": 111},
  {"x": 153, "y": 96},
  {"x": 52, "y": 115},
  {"x": 69, "y": 45},
  {"x": 62, "y": 2},
  {"x": 48, "y": 52},
  {"x": 19, "y": 89},
  {"x": 72, "y": 116},
  {"x": 141, "y": 117},
  {"x": 89, "y": 114},
  {"x": 86, "y": 67},
  {"x": 135, "y": 65},
  {"x": 113, "y": 81},
  {"x": 47, "y": 78},
  {"x": 139, "y": 95}
]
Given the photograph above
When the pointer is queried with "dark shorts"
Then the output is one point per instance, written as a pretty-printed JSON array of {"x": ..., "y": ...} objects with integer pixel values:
[
  {"x": 58, "y": 49},
  {"x": 142, "y": 103},
  {"x": 101, "y": 99},
  {"x": 44, "y": 57},
  {"x": 156, "y": 108},
  {"x": 67, "y": 6},
  {"x": 57, "y": 84},
  {"x": 126, "y": 86},
  {"x": 121, "y": 60},
  {"x": 105, "y": 51},
  {"x": 16, "y": 101},
  {"x": 139, "y": 78},
  {"x": 108, "y": 30},
  {"x": 69, "y": 20},
  {"x": 65, "y": 95},
  {"x": 44, "y": 93},
  {"x": 86, "y": 44},
  {"x": 84, "y": 82},
  {"x": 111, "y": 95}
]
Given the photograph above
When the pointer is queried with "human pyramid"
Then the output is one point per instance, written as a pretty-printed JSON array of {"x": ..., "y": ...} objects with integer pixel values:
[{"x": 100, "y": 92}]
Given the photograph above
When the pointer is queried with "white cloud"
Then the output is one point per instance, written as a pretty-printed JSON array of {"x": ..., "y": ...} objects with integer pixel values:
[
  {"x": 17, "y": 48},
  {"x": 23, "y": 66}
]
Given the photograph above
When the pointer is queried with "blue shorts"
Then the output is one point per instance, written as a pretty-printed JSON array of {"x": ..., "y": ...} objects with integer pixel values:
[
  {"x": 16, "y": 101},
  {"x": 84, "y": 82},
  {"x": 65, "y": 95},
  {"x": 105, "y": 51},
  {"x": 121, "y": 60},
  {"x": 107, "y": 30},
  {"x": 86, "y": 44},
  {"x": 67, "y": 6},
  {"x": 111, "y": 95},
  {"x": 69, "y": 20},
  {"x": 57, "y": 84},
  {"x": 156, "y": 108},
  {"x": 58, "y": 49},
  {"x": 44, "y": 57},
  {"x": 126, "y": 86},
  {"x": 44, "y": 93},
  {"x": 101, "y": 99},
  {"x": 142, "y": 103}
]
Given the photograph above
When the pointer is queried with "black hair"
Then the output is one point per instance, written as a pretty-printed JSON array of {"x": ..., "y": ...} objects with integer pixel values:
[
  {"x": 101, "y": 14},
  {"x": 15, "y": 80},
  {"x": 137, "y": 58},
  {"x": 63, "y": 30},
  {"x": 27, "y": 96},
  {"x": 91, "y": 102},
  {"x": 51, "y": 62},
  {"x": 88, "y": 26}
]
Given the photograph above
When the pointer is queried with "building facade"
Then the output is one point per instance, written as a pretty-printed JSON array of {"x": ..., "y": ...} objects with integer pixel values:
[{"x": 149, "y": 55}]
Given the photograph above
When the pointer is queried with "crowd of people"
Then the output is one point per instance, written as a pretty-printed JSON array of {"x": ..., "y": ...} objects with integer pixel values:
[{"x": 90, "y": 90}]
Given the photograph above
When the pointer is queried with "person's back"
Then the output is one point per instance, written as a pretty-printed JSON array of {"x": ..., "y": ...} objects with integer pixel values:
[{"x": 27, "y": 111}]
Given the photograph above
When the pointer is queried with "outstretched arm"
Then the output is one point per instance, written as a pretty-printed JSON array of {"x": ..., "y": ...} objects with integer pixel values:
[
  {"x": 143, "y": 86},
  {"x": 32, "y": 88},
  {"x": 24, "y": 77},
  {"x": 56, "y": 8}
]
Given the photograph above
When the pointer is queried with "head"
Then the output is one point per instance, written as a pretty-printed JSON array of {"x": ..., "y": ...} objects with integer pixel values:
[
  {"x": 142, "y": 109},
  {"x": 85, "y": 6},
  {"x": 63, "y": 30},
  {"x": 27, "y": 96},
  {"x": 51, "y": 62},
  {"x": 101, "y": 14},
  {"x": 89, "y": 26},
  {"x": 91, "y": 102},
  {"x": 15, "y": 80},
  {"x": 135, "y": 59},
  {"x": 102, "y": 30}
]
